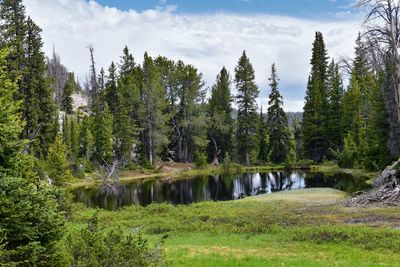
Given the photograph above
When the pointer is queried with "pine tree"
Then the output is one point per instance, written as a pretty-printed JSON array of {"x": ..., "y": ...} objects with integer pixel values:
[
  {"x": 262, "y": 138},
  {"x": 103, "y": 138},
  {"x": 13, "y": 32},
  {"x": 66, "y": 97},
  {"x": 247, "y": 93},
  {"x": 130, "y": 107},
  {"x": 10, "y": 123},
  {"x": 58, "y": 165},
  {"x": 154, "y": 120},
  {"x": 73, "y": 150},
  {"x": 30, "y": 222},
  {"x": 220, "y": 128},
  {"x": 376, "y": 154},
  {"x": 169, "y": 76},
  {"x": 277, "y": 122},
  {"x": 189, "y": 120},
  {"x": 335, "y": 92},
  {"x": 298, "y": 138},
  {"x": 351, "y": 109},
  {"x": 39, "y": 107},
  {"x": 26, "y": 61},
  {"x": 314, "y": 127},
  {"x": 114, "y": 100},
  {"x": 86, "y": 139}
]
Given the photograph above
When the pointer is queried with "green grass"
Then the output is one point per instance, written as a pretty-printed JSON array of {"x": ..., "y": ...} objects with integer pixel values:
[{"x": 298, "y": 228}]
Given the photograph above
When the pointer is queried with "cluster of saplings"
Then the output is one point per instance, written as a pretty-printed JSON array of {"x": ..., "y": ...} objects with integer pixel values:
[{"x": 32, "y": 212}]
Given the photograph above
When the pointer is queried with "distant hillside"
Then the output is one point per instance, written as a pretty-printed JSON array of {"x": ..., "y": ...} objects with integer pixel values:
[{"x": 291, "y": 116}]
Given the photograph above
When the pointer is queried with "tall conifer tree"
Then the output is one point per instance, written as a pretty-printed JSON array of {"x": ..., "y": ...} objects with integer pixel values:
[
  {"x": 220, "y": 129},
  {"x": 277, "y": 122},
  {"x": 67, "y": 102},
  {"x": 335, "y": 93},
  {"x": 262, "y": 139},
  {"x": 247, "y": 93},
  {"x": 154, "y": 102},
  {"x": 314, "y": 128}
]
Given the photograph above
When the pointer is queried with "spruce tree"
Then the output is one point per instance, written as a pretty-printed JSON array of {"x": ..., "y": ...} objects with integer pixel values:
[
  {"x": 30, "y": 223},
  {"x": 86, "y": 139},
  {"x": 13, "y": 32},
  {"x": 66, "y": 97},
  {"x": 220, "y": 128},
  {"x": 10, "y": 123},
  {"x": 247, "y": 93},
  {"x": 277, "y": 122},
  {"x": 314, "y": 127},
  {"x": 262, "y": 139},
  {"x": 298, "y": 139},
  {"x": 130, "y": 107},
  {"x": 103, "y": 138},
  {"x": 335, "y": 92},
  {"x": 376, "y": 154},
  {"x": 57, "y": 163},
  {"x": 351, "y": 109},
  {"x": 26, "y": 62}
]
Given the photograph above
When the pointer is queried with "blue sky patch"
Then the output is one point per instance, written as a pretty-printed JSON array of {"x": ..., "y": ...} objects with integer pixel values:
[{"x": 328, "y": 9}]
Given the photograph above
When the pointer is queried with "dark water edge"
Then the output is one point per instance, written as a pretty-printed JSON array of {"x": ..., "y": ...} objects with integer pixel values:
[{"x": 212, "y": 188}]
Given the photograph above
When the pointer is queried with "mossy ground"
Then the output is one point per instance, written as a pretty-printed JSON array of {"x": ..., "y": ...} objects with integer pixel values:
[{"x": 308, "y": 227}]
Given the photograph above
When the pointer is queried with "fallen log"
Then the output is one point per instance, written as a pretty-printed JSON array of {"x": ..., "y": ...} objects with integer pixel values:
[{"x": 386, "y": 192}]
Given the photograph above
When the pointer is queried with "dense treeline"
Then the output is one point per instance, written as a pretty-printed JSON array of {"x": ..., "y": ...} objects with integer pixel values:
[
  {"x": 348, "y": 125},
  {"x": 139, "y": 115}
]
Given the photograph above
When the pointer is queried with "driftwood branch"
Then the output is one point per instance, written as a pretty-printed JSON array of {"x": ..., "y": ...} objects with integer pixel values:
[{"x": 387, "y": 190}]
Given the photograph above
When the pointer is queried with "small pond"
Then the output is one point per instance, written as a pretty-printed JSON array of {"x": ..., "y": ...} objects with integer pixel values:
[{"x": 212, "y": 188}]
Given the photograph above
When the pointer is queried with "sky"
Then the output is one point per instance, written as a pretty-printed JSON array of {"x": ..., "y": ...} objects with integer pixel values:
[{"x": 209, "y": 34}]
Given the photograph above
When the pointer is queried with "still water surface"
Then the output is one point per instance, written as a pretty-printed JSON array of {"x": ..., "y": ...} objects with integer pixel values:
[{"x": 212, "y": 188}]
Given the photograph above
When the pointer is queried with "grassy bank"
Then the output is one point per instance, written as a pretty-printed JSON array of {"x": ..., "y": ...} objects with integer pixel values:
[
  {"x": 296, "y": 228},
  {"x": 180, "y": 170}
]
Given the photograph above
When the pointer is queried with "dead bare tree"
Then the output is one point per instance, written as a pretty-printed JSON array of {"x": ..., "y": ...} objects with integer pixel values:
[
  {"x": 382, "y": 30},
  {"x": 111, "y": 171},
  {"x": 58, "y": 74}
]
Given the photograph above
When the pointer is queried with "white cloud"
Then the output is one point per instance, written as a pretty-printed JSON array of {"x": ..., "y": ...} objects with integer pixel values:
[{"x": 208, "y": 41}]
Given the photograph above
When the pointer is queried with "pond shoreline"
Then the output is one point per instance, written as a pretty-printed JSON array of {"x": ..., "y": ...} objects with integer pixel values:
[{"x": 191, "y": 171}]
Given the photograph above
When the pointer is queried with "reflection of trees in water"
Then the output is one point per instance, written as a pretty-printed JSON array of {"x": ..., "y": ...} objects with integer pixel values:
[
  {"x": 341, "y": 181},
  {"x": 206, "y": 188}
]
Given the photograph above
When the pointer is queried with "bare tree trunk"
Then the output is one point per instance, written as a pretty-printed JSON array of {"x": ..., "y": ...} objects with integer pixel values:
[
  {"x": 217, "y": 151},
  {"x": 151, "y": 146}
]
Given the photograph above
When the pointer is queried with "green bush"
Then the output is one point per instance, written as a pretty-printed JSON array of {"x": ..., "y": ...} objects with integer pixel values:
[
  {"x": 349, "y": 155},
  {"x": 31, "y": 224},
  {"x": 93, "y": 246},
  {"x": 200, "y": 159},
  {"x": 231, "y": 167}
]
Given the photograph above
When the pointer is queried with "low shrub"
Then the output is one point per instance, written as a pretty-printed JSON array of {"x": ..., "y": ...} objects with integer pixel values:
[
  {"x": 200, "y": 159},
  {"x": 94, "y": 246},
  {"x": 231, "y": 167}
]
